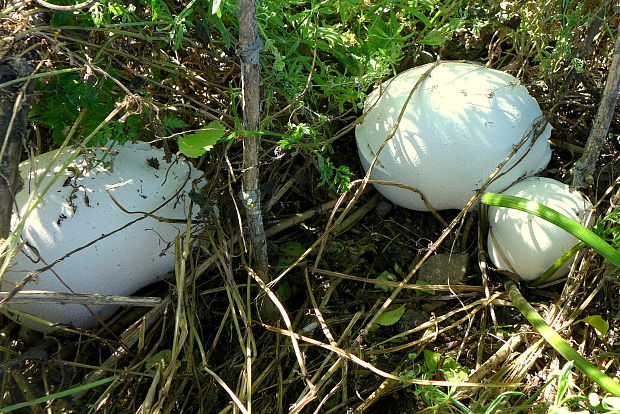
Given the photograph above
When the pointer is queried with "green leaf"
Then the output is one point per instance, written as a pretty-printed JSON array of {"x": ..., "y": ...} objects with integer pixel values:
[
  {"x": 170, "y": 123},
  {"x": 60, "y": 394},
  {"x": 385, "y": 275},
  {"x": 417, "y": 14},
  {"x": 431, "y": 360},
  {"x": 285, "y": 291},
  {"x": 290, "y": 253},
  {"x": 453, "y": 371},
  {"x": 563, "y": 383},
  {"x": 161, "y": 359},
  {"x": 391, "y": 317},
  {"x": 62, "y": 18},
  {"x": 196, "y": 144},
  {"x": 450, "y": 368},
  {"x": 598, "y": 323},
  {"x": 434, "y": 38},
  {"x": 423, "y": 292}
]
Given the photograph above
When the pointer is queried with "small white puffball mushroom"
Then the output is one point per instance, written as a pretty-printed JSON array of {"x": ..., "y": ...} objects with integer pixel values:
[
  {"x": 528, "y": 245},
  {"x": 80, "y": 207},
  {"x": 461, "y": 122}
]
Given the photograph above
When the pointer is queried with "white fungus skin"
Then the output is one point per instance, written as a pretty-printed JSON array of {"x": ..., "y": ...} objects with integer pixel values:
[
  {"x": 459, "y": 125},
  {"x": 76, "y": 211},
  {"x": 527, "y": 245}
]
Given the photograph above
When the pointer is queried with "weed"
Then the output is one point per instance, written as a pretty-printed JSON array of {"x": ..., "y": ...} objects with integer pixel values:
[{"x": 62, "y": 98}]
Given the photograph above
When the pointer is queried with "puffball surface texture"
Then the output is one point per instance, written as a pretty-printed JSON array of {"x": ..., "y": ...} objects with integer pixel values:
[
  {"x": 78, "y": 209},
  {"x": 528, "y": 245},
  {"x": 459, "y": 125}
]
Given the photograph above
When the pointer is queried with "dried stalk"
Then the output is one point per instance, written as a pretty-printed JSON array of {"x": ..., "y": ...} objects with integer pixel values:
[
  {"x": 40, "y": 296},
  {"x": 250, "y": 45},
  {"x": 584, "y": 168},
  {"x": 14, "y": 107}
]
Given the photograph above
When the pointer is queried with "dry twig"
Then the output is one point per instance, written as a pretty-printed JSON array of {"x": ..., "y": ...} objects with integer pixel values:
[
  {"x": 250, "y": 45},
  {"x": 584, "y": 168}
]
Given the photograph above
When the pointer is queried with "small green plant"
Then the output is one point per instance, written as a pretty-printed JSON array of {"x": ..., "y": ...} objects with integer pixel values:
[
  {"x": 306, "y": 137},
  {"x": 562, "y": 51},
  {"x": 435, "y": 366},
  {"x": 608, "y": 227},
  {"x": 564, "y": 402},
  {"x": 388, "y": 277},
  {"x": 63, "y": 97},
  {"x": 567, "y": 403},
  {"x": 175, "y": 20}
]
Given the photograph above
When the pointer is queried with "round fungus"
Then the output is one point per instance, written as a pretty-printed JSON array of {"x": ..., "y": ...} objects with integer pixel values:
[
  {"x": 121, "y": 209},
  {"x": 460, "y": 123},
  {"x": 527, "y": 245}
]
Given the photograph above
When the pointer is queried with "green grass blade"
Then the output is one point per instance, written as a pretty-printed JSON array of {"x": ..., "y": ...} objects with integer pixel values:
[
  {"x": 558, "y": 263},
  {"x": 552, "y": 216},
  {"x": 556, "y": 341},
  {"x": 60, "y": 394},
  {"x": 496, "y": 402}
]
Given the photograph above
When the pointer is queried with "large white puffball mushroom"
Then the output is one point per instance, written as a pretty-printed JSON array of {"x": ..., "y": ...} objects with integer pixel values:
[
  {"x": 79, "y": 208},
  {"x": 528, "y": 245},
  {"x": 460, "y": 123}
]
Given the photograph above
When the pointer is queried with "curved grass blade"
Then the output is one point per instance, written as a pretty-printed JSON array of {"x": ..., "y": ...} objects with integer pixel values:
[
  {"x": 57, "y": 395},
  {"x": 558, "y": 263},
  {"x": 552, "y": 216},
  {"x": 556, "y": 341}
]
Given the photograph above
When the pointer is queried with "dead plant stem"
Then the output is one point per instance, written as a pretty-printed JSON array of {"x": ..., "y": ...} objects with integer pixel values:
[
  {"x": 250, "y": 45},
  {"x": 584, "y": 168},
  {"x": 13, "y": 128}
]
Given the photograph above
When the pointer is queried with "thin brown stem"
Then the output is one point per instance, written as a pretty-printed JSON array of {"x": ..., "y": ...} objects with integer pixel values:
[
  {"x": 250, "y": 45},
  {"x": 14, "y": 107},
  {"x": 584, "y": 168}
]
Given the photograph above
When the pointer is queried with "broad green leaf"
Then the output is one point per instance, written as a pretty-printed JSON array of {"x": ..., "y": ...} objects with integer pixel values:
[
  {"x": 598, "y": 323},
  {"x": 423, "y": 292},
  {"x": 431, "y": 360},
  {"x": 161, "y": 359},
  {"x": 290, "y": 253},
  {"x": 285, "y": 291},
  {"x": 385, "y": 275},
  {"x": 434, "y": 38},
  {"x": 196, "y": 144},
  {"x": 391, "y": 317},
  {"x": 450, "y": 368}
]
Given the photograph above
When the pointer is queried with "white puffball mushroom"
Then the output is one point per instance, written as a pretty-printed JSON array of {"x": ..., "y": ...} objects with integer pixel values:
[
  {"x": 79, "y": 208},
  {"x": 528, "y": 245},
  {"x": 461, "y": 122}
]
